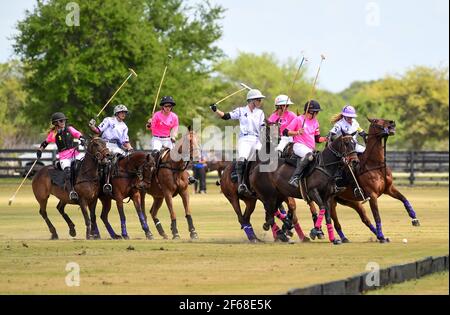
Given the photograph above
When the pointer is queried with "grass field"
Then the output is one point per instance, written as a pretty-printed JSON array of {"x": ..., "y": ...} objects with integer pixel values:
[{"x": 220, "y": 262}]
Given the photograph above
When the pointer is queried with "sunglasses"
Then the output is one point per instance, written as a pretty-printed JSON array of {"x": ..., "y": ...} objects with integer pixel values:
[{"x": 60, "y": 120}]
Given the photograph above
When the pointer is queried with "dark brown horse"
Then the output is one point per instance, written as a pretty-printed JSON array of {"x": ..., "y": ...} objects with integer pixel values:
[
  {"x": 273, "y": 187},
  {"x": 171, "y": 179},
  {"x": 230, "y": 190},
  {"x": 133, "y": 173},
  {"x": 375, "y": 178},
  {"x": 86, "y": 185}
]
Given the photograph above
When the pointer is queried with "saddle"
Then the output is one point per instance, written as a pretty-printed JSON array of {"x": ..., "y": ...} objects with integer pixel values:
[{"x": 57, "y": 175}]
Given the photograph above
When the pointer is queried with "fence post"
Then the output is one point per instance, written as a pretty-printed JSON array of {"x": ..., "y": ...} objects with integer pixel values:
[{"x": 411, "y": 168}]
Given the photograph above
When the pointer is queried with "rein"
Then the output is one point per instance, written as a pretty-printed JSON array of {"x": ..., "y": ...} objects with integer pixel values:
[{"x": 383, "y": 164}]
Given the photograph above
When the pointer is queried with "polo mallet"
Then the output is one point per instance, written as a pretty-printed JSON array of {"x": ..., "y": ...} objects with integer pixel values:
[
  {"x": 295, "y": 78},
  {"x": 112, "y": 97},
  {"x": 246, "y": 86},
  {"x": 161, "y": 83},
  {"x": 313, "y": 87},
  {"x": 358, "y": 188},
  {"x": 29, "y": 171},
  {"x": 225, "y": 98}
]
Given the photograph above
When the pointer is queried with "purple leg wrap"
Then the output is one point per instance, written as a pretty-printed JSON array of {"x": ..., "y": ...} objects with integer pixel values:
[
  {"x": 341, "y": 234},
  {"x": 110, "y": 231},
  {"x": 123, "y": 227},
  {"x": 248, "y": 229},
  {"x": 379, "y": 231},
  {"x": 143, "y": 223},
  {"x": 373, "y": 229},
  {"x": 410, "y": 209}
]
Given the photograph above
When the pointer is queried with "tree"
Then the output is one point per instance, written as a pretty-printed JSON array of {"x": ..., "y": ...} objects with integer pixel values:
[
  {"x": 76, "y": 69},
  {"x": 417, "y": 101}
]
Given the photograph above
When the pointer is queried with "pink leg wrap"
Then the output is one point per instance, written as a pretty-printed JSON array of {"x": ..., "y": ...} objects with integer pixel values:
[
  {"x": 275, "y": 229},
  {"x": 280, "y": 215},
  {"x": 330, "y": 232},
  {"x": 320, "y": 218},
  {"x": 299, "y": 231}
]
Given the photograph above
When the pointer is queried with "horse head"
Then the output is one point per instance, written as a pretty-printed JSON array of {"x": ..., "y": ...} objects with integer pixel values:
[
  {"x": 189, "y": 141},
  {"x": 344, "y": 147},
  {"x": 146, "y": 168},
  {"x": 381, "y": 127},
  {"x": 97, "y": 148}
]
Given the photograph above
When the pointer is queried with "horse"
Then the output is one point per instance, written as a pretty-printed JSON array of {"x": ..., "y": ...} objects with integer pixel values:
[
  {"x": 133, "y": 172},
  {"x": 230, "y": 190},
  {"x": 171, "y": 179},
  {"x": 272, "y": 188},
  {"x": 86, "y": 185},
  {"x": 375, "y": 178}
]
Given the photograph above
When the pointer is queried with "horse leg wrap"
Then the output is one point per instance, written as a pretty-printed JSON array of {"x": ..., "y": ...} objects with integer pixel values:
[
  {"x": 373, "y": 229},
  {"x": 318, "y": 224},
  {"x": 190, "y": 223},
  {"x": 275, "y": 230},
  {"x": 379, "y": 231},
  {"x": 123, "y": 227},
  {"x": 341, "y": 234},
  {"x": 248, "y": 229},
  {"x": 299, "y": 231},
  {"x": 159, "y": 227},
  {"x": 173, "y": 227},
  {"x": 330, "y": 232},
  {"x": 410, "y": 209},
  {"x": 143, "y": 221},
  {"x": 280, "y": 215}
]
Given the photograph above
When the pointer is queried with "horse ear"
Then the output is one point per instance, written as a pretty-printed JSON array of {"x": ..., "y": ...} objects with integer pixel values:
[
  {"x": 189, "y": 128},
  {"x": 370, "y": 120}
]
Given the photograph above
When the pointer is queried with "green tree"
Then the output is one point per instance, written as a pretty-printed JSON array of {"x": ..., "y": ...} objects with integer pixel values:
[
  {"x": 76, "y": 69},
  {"x": 417, "y": 101}
]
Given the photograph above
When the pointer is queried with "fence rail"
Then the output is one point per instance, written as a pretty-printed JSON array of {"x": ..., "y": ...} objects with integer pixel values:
[{"x": 412, "y": 166}]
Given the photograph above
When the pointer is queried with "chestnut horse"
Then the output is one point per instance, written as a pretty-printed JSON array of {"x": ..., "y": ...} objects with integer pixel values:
[
  {"x": 273, "y": 188},
  {"x": 375, "y": 178},
  {"x": 133, "y": 172},
  {"x": 171, "y": 179},
  {"x": 86, "y": 185}
]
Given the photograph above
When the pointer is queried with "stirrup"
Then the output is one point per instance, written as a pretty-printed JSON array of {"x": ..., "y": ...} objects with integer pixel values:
[
  {"x": 243, "y": 189},
  {"x": 192, "y": 180},
  {"x": 107, "y": 188},
  {"x": 294, "y": 181},
  {"x": 73, "y": 195}
]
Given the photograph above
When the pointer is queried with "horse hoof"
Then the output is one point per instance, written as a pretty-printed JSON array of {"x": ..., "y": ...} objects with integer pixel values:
[
  {"x": 337, "y": 242},
  {"x": 125, "y": 237},
  {"x": 320, "y": 235},
  {"x": 281, "y": 237},
  {"x": 382, "y": 241},
  {"x": 194, "y": 235},
  {"x": 72, "y": 232},
  {"x": 116, "y": 237},
  {"x": 306, "y": 240},
  {"x": 345, "y": 241},
  {"x": 149, "y": 236},
  {"x": 266, "y": 227},
  {"x": 96, "y": 237},
  {"x": 313, "y": 234},
  {"x": 164, "y": 236},
  {"x": 54, "y": 237},
  {"x": 289, "y": 233},
  {"x": 415, "y": 222},
  {"x": 176, "y": 237},
  {"x": 388, "y": 240}
]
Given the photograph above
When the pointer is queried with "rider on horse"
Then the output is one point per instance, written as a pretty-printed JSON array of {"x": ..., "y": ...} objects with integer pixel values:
[
  {"x": 114, "y": 132},
  {"x": 305, "y": 129},
  {"x": 345, "y": 123},
  {"x": 63, "y": 135},
  {"x": 164, "y": 127},
  {"x": 251, "y": 119},
  {"x": 283, "y": 117}
]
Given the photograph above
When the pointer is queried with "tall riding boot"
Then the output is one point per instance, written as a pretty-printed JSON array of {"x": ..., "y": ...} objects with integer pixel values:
[
  {"x": 240, "y": 170},
  {"x": 301, "y": 166},
  {"x": 107, "y": 187},
  {"x": 68, "y": 179}
]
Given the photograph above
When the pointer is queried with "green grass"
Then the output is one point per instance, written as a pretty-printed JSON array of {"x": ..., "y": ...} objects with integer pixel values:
[
  {"x": 220, "y": 262},
  {"x": 435, "y": 284}
]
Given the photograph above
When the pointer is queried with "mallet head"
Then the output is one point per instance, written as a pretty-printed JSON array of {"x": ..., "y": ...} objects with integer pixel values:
[
  {"x": 322, "y": 56},
  {"x": 10, "y": 202},
  {"x": 133, "y": 72}
]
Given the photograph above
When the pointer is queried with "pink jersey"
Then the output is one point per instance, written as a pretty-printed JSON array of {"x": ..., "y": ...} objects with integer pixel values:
[
  {"x": 66, "y": 154},
  {"x": 162, "y": 124},
  {"x": 285, "y": 120},
  {"x": 311, "y": 130}
]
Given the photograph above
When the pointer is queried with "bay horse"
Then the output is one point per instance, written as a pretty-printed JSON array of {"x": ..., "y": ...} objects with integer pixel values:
[
  {"x": 171, "y": 179},
  {"x": 230, "y": 190},
  {"x": 375, "y": 179},
  {"x": 318, "y": 185},
  {"x": 87, "y": 185},
  {"x": 133, "y": 172}
]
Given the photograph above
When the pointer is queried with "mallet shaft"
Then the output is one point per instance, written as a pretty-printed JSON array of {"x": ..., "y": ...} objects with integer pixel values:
[
  {"x": 225, "y": 98},
  {"x": 26, "y": 176}
]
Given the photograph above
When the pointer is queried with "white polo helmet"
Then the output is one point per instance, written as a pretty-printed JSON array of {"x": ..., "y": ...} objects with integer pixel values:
[
  {"x": 281, "y": 100},
  {"x": 254, "y": 95},
  {"x": 120, "y": 108}
]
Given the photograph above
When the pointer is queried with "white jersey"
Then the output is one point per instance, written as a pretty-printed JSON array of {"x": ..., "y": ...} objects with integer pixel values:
[
  {"x": 342, "y": 126},
  {"x": 114, "y": 130},
  {"x": 250, "y": 122}
]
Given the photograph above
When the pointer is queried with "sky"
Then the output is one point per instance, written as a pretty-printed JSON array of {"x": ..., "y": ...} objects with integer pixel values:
[{"x": 362, "y": 40}]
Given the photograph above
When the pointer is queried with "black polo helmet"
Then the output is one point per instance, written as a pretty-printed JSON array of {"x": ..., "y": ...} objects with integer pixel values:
[
  {"x": 314, "y": 106},
  {"x": 167, "y": 100},
  {"x": 58, "y": 116}
]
